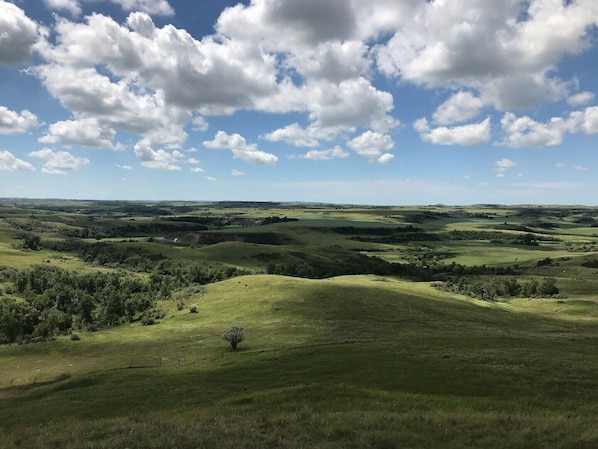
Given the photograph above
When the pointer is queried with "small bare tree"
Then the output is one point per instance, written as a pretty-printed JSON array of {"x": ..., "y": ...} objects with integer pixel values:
[{"x": 234, "y": 335}]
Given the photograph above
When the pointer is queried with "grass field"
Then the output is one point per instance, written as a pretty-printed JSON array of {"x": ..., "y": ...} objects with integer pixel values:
[
  {"x": 329, "y": 363},
  {"x": 362, "y": 361}
]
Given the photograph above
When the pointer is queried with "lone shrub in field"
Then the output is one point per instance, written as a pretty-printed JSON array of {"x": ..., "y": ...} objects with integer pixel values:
[
  {"x": 234, "y": 335},
  {"x": 193, "y": 308}
]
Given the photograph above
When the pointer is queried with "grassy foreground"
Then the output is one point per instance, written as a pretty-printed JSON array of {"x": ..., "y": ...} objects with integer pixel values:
[{"x": 348, "y": 362}]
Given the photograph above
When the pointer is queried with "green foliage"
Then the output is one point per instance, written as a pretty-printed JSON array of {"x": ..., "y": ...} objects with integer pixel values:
[
  {"x": 193, "y": 308},
  {"x": 548, "y": 287},
  {"x": 54, "y": 300},
  {"x": 546, "y": 262},
  {"x": 276, "y": 219},
  {"x": 492, "y": 288},
  {"x": 110, "y": 255},
  {"x": 51, "y": 322},
  {"x": 170, "y": 274},
  {"x": 527, "y": 239},
  {"x": 234, "y": 335},
  {"x": 117, "y": 229},
  {"x": 529, "y": 289},
  {"x": 18, "y": 320},
  {"x": 31, "y": 241}
]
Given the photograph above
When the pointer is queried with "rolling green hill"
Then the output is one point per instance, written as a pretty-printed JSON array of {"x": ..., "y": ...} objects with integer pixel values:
[
  {"x": 368, "y": 345},
  {"x": 353, "y": 361}
]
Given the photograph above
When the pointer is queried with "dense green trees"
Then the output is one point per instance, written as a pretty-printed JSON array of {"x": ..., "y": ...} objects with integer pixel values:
[
  {"x": 491, "y": 288},
  {"x": 48, "y": 301},
  {"x": 31, "y": 241},
  {"x": 422, "y": 269}
]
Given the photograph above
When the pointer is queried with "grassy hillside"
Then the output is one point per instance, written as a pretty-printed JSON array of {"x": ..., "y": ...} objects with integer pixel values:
[
  {"x": 356, "y": 361},
  {"x": 389, "y": 356}
]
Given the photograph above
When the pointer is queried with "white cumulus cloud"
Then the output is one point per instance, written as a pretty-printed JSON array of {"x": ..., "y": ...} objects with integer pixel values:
[
  {"x": 322, "y": 155},
  {"x": 501, "y": 167},
  {"x": 12, "y": 122},
  {"x": 460, "y": 107},
  {"x": 292, "y": 134},
  {"x": 385, "y": 158},
  {"x": 199, "y": 123},
  {"x": 580, "y": 98},
  {"x": 240, "y": 148},
  {"x": 371, "y": 144},
  {"x": 146, "y": 79},
  {"x": 586, "y": 120},
  {"x": 152, "y": 7},
  {"x": 472, "y": 134},
  {"x": 72, "y": 6},
  {"x": 9, "y": 162},
  {"x": 18, "y": 34},
  {"x": 59, "y": 162},
  {"x": 504, "y": 49},
  {"x": 158, "y": 159},
  {"x": 85, "y": 132},
  {"x": 526, "y": 132}
]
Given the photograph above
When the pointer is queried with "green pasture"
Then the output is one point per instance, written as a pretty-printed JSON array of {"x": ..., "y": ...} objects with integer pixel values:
[
  {"x": 354, "y": 361},
  {"x": 347, "y": 362}
]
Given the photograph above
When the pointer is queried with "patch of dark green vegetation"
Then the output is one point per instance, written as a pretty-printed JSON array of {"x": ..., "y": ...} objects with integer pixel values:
[
  {"x": 590, "y": 263},
  {"x": 134, "y": 229},
  {"x": 112, "y": 255},
  {"x": 413, "y": 234},
  {"x": 423, "y": 268},
  {"x": 260, "y": 238},
  {"x": 46, "y": 301},
  {"x": 493, "y": 288},
  {"x": 170, "y": 275}
]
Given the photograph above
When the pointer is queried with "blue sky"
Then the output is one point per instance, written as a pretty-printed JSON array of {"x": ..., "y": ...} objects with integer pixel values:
[{"x": 343, "y": 101}]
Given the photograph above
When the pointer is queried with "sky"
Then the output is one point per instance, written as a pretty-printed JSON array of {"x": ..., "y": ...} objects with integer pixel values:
[{"x": 381, "y": 102}]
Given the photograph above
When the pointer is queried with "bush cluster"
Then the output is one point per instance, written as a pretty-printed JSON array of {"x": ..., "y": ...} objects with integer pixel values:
[{"x": 490, "y": 289}]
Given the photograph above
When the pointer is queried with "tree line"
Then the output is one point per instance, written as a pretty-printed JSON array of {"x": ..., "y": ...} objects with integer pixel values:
[
  {"x": 356, "y": 263},
  {"x": 44, "y": 301},
  {"x": 490, "y": 289}
]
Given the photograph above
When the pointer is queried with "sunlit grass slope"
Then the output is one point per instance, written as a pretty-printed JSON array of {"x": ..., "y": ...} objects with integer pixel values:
[{"x": 346, "y": 362}]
